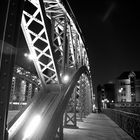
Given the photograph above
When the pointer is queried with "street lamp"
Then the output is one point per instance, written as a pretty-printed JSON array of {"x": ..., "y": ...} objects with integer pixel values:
[
  {"x": 29, "y": 56},
  {"x": 120, "y": 90},
  {"x": 65, "y": 78}
]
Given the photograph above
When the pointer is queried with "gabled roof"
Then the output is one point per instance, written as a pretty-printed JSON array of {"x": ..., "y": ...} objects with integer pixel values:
[{"x": 126, "y": 74}]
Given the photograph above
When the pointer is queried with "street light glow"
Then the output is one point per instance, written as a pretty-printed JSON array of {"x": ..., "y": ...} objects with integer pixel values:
[
  {"x": 26, "y": 54},
  {"x": 120, "y": 90},
  {"x": 29, "y": 56},
  {"x": 65, "y": 78}
]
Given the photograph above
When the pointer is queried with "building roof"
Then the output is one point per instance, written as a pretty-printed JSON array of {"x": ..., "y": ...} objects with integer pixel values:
[{"x": 126, "y": 74}]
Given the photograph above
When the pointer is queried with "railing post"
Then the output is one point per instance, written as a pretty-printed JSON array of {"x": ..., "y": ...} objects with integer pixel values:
[{"x": 70, "y": 116}]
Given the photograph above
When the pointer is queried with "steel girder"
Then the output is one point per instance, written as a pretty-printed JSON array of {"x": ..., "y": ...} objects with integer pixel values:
[
  {"x": 50, "y": 33},
  {"x": 80, "y": 103},
  {"x": 57, "y": 47},
  {"x": 85, "y": 93},
  {"x": 34, "y": 28},
  {"x": 70, "y": 113},
  {"x": 69, "y": 48}
]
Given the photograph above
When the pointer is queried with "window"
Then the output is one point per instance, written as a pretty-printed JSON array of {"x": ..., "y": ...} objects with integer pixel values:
[
  {"x": 123, "y": 100},
  {"x": 122, "y": 83}
]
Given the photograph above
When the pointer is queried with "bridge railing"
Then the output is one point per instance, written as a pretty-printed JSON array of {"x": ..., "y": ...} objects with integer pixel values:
[{"x": 127, "y": 121}]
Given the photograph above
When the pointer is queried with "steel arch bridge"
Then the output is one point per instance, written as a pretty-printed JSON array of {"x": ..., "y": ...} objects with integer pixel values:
[{"x": 55, "y": 41}]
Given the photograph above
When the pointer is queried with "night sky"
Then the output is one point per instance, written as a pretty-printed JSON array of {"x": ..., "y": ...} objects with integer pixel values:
[{"x": 111, "y": 30}]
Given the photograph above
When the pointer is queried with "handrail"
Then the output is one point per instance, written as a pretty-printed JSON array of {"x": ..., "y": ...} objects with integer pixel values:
[
  {"x": 50, "y": 105},
  {"x": 127, "y": 121},
  {"x": 54, "y": 122}
]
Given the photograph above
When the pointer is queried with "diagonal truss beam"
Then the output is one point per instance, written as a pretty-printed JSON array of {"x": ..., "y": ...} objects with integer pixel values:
[
  {"x": 35, "y": 32},
  {"x": 68, "y": 46}
]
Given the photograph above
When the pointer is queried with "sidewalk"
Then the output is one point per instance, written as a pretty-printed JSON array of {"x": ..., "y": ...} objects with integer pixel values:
[{"x": 96, "y": 127}]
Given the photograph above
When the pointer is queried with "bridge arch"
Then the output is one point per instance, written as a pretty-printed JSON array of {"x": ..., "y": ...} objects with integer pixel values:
[{"x": 54, "y": 39}]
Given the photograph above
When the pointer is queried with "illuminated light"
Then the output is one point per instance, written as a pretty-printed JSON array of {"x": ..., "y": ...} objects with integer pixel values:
[
  {"x": 103, "y": 101},
  {"x": 18, "y": 103},
  {"x": 120, "y": 90},
  {"x": 29, "y": 56},
  {"x": 60, "y": 73},
  {"x": 15, "y": 127},
  {"x": 58, "y": 1},
  {"x": 65, "y": 78},
  {"x": 26, "y": 54},
  {"x": 33, "y": 125},
  {"x": 102, "y": 89},
  {"x": 112, "y": 101},
  {"x": 18, "y": 70}
]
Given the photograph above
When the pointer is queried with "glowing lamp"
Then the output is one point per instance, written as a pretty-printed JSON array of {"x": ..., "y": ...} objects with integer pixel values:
[
  {"x": 65, "y": 78},
  {"x": 29, "y": 56}
]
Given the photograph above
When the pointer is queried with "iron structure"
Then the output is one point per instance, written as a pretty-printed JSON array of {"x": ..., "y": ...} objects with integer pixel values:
[
  {"x": 129, "y": 122},
  {"x": 56, "y": 43}
]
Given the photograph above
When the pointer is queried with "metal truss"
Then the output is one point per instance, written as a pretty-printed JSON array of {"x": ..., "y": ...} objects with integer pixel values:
[
  {"x": 57, "y": 48},
  {"x": 68, "y": 47},
  {"x": 63, "y": 50},
  {"x": 35, "y": 32},
  {"x": 80, "y": 103},
  {"x": 61, "y": 35},
  {"x": 59, "y": 40},
  {"x": 70, "y": 113},
  {"x": 85, "y": 95},
  {"x": 82, "y": 97}
]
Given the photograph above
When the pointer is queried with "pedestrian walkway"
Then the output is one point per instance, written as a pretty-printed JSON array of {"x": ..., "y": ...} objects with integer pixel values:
[{"x": 96, "y": 127}]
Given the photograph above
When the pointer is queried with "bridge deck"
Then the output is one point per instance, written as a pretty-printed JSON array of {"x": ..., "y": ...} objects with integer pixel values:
[{"x": 96, "y": 127}]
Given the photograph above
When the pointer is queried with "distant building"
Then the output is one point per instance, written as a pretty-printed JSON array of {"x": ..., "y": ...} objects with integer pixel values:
[
  {"x": 24, "y": 86},
  {"x": 109, "y": 91},
  {"x": 128, "y": 87},
  {"x": 105, "y": 95}
]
